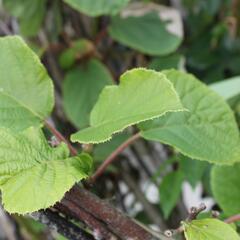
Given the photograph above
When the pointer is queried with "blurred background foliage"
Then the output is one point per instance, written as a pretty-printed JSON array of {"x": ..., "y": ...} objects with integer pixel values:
[{"x": 88, "y": 44}]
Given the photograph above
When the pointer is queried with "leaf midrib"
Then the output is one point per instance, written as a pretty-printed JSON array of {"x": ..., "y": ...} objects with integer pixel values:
[{"x": 21, "y": 104}]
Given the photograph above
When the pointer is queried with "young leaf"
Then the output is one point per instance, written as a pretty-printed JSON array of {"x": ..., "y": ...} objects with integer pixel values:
[
  {"x": 208, "y": 131},
  {"x": 142, "y": 95},
  {"x": 97, "y": 8},
  {"x": 209, "y": 229},
  {"x": 148, "y": 30},
  {"x": 170, "y": 190},
  {"x": 226, "y": 187},
  {"x": 81, "y": 89},
  {"x": 78, "y": 49},
  {"x": 30, "y": 166},
  {"x": 26, "y": 89}
]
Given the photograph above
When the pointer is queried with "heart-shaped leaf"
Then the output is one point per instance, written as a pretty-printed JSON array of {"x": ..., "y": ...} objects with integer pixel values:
[{"x": 142, "y": 95}]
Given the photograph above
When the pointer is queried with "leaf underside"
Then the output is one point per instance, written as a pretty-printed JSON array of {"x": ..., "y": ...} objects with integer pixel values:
[{"x": 141, "y": 95}]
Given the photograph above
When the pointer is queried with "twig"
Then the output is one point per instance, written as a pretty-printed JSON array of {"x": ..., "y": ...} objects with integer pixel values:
[
  {"x": 150, "y": 210},
  {"x": 61, "y": 225},
  {"x": 100, "y": 36},
  {"x": 60, "y": 137},
  {"x": 192, "y": 214},
  {"x": 194, "y": 211},
  {"x": 110, "y": 159},
  {"x": 7, "y": 227},
  {"x": 233, "y": 219}
]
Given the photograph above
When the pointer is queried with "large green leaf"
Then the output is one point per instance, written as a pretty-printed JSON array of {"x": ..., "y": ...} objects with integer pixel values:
[
  {"x": 81, "y": 90},
  {"x": 30, "y": 14},
  {"x": 148, "y": 31},
  {"x": 33, "y": 175},
  {"x": 226, "y": 187},
  {"x": 170, "y": 190},
  {"x": 208, "y": 131},
  {"x": 26, "y": 90},
  {"x": 142, "y": 95},
  {"x": 98, "y": 7},
  {"x": 209, "y": 229}
]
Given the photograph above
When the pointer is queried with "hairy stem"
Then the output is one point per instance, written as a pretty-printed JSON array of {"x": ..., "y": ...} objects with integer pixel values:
[
  {"x": 61, "y": 138},
  {"x": 111, "y": 158}
]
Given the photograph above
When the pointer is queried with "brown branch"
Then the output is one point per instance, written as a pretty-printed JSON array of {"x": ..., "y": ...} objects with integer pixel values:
[
  {"x": 98, "y": 228},
  {"x": 60, "y": 224},
  {"x": 192, "y": 214},
  {"x": 114, "y": 220},
  {"x": 61, "y": 138},
  {"x": 96, "y": 213},
  {"x": 112, "y": 157}
]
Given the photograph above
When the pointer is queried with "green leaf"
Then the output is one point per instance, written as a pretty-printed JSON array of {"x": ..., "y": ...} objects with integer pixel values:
[
  {"x": 77, "y": 50},
  {"x": 30, "y": 15},
  {"x": 228, "y": 88},
  {"x": 170, "y": 190},
  {"x": 167, "y": 62},
  {"x": 97, "y": 8},
  {"x": 192, "y": 169},
  {"x": 209, "y": 229},
  {"x": 226, "y": 187},
  {"x": 26, "y": 96},
  {"x": 208, "y": 131},
  {"x": 81, "y": 89},
  {"x": 30, "y": 166},
  {"x": 148, "y": 31},
  {"x": 142, "y": 95}
]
